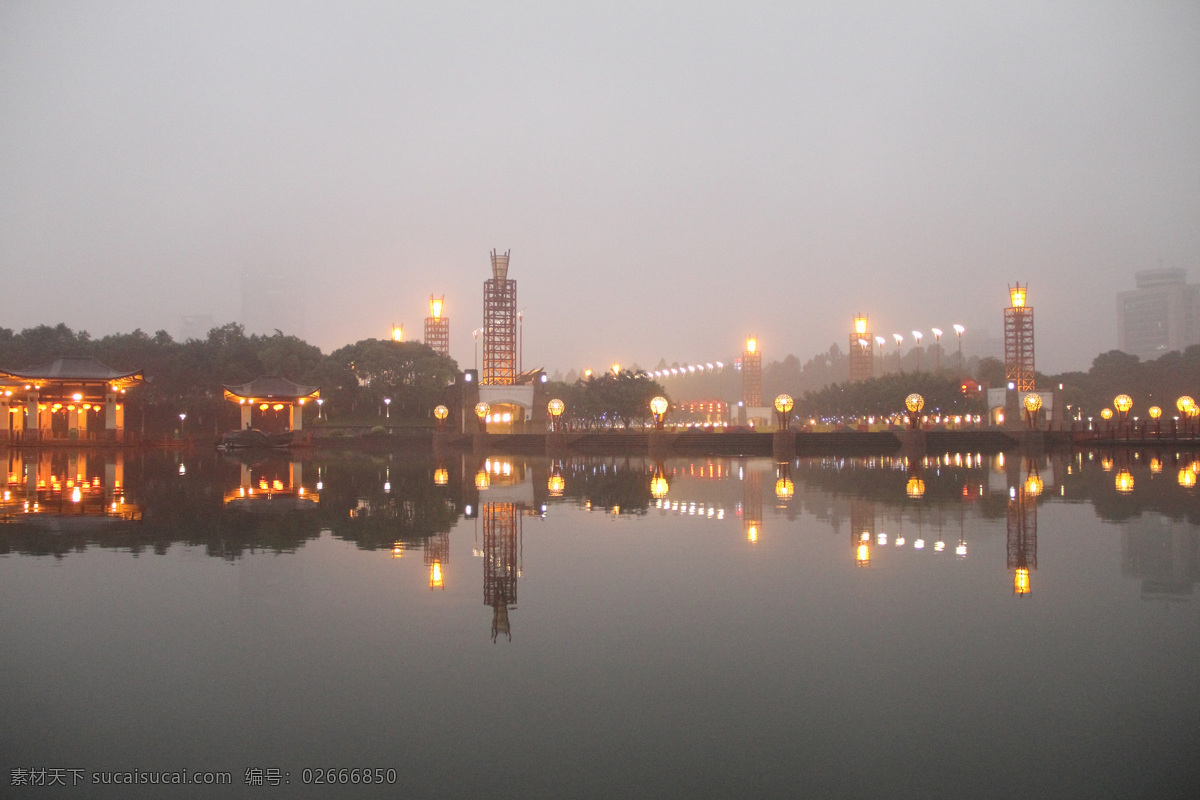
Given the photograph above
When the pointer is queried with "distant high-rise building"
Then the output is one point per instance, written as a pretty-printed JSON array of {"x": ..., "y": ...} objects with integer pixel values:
[
  {"x": 1162, "y": 314},
  {"x": 272, "y": 302},
  {"x": 437, "y": 327},
  {"x": 195, "y": 326},
  {"x": 499, "y": 325}
]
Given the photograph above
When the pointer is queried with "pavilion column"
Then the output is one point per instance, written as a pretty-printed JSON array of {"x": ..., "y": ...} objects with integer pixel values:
[
  {"x": 246, "y": 477},
  {"x": 110, "y": 411},
  {"x": 82, "y": 425},
  {"x": 295, "y": 475},
  {"x": 295, "y": 416},
  {"x": 44, "y": 417},
  {"x": 4, "y": 432},
  {"x": 247, "y": 409},
  {"x": 18, "y": 418}
]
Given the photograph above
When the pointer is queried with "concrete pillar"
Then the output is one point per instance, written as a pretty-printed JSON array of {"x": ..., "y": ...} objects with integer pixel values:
[
  {"x": 110, "y": 412},
  {"x": 295, "y": 474},
  {"x": 247, "y": 410},
  {"x": 246, "y": 477},
  {"x": 295, "y": 416},
  {"x": 82, "y": 424},
  {"x": 44, "y": 418}
]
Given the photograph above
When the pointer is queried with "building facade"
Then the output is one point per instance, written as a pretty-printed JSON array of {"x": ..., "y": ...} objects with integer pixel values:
[{"x": 1162, "y": 314}]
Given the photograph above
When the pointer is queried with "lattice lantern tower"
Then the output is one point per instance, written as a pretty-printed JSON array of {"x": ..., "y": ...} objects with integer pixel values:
[
  {"x": 1018, "y": 340},
  {"x": 862, "y": 350},
  {"x": 752, "y": 375},
  {"x": 501, "y": 565},
  {"x": 499, "y": 325},
  {"x": 437, "y": 327}
]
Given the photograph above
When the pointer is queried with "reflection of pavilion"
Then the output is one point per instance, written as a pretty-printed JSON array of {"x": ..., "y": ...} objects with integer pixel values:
[
  {"x": 68, "y": 399},
  {"x": 52, "y": 484},
  {"x": 271, "y": 486}
]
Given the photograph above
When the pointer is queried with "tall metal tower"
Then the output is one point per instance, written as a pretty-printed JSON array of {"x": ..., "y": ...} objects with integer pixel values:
[
  {"x": 437, "y": 556},
  {"x": 501, "y": 534},
  {"x": 437, "y": 327},
  {"x": 862, "y": 350},
  {"x": 499, "y": 325},
  {"x": 752, "y": 375},
  {"x": 752, "y": 504},
  {"x": 1018, "y": 340},
  {"x": 862, "y": 531}
]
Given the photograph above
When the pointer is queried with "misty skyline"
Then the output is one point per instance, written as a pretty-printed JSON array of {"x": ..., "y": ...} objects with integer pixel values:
[{"x": 670, "y": 178}]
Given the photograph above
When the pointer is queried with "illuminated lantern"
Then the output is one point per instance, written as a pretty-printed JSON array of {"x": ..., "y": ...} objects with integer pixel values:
[
  {"x": 1106, "y": 413},
  {"x": 482, "y": 480},
  {"x": 440, "y": 413},
  {"x": 1184, "y": 403},
  {"x": 1021, "y": 581},
  {"x": 658, "y": 485},
  {"x": 915, "y": 487},
  {"x": 556, "y": 485},
  {"x": 914, "y": 402},
  {"x": 1124, "y": 481},
  {"x": 784, "y": 488},
  {"x": 1033, "y": 485},
  {"x": 1187, "y": 478},
  {"x": 658, "y": 407},
  {"x": 440, "y": 476},
  {"x": 1122, "y": 403},
  {"x": 1155, "y": 412}
]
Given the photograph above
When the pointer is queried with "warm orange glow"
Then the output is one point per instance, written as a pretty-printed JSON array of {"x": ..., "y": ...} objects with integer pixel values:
[
  {"x": 751, "y": 345},
  {"x": 555, "y": 485},
  {"x": 264, "y": 406},
  {"x": 1032, "y": 402},
  {"x": 556, "y": 407},
  {"x": 435, "y": 306},
  {"x": 862, "y": 555},
  {"x": 915, "y": 487},
  {"x": 659, "y": 486},
  {"x": 278, "y": 406},
  {"x": 1184, "y": 403},
  {"x": 441, "y": 476},
  {"x": 860, "y": 325},
  {"x": 441, "y": 412},
  {"x": 1123, "y": 403},
  {"x": 1017, "y": 295},
  {"x": 1021, "y": 581},
  {"x": 435, "y": 576},
  {"x": 482, "y": 409},
  {"x": 398, "y": 550},
  {"x": 1187, "y": 478},
  {"x": 659, "y": 405},
  {"x": 1106, "y": 464},
  {"x": 482, "y": 480},
  {"x": 784, "y": 403},
  {"x": 1106, "y": 413},
  {"x": 1156, "y": 464},
  {"x": 784, "y": 488},
  {"x": 914, "y": 402},
  {"x": 752, "y": 533},
  {"x": 1033, "y": 485},
  {"x": 1154, "y": 411},
  {"x": 1124, "y": 481},
  {"x": 397, "y": 333}
]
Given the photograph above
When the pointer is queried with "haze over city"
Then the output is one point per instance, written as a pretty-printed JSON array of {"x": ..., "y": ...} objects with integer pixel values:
[{"x": 669, "y": 178}]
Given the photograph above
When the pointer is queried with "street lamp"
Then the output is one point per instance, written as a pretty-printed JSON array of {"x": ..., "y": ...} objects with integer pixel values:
[
  {"x": 182, "y": 417},
  {"x": 914, "y": 403},
  {"x": 783, "y": 405},
  {"x": 899, "y": 340},
  {"x": 1155, "y": 412},
  {"x": 1122, "y": 403},
  {"x": 556, "y": 408},
  {"x": 879, "y": 340},
  {"x": 658, "y": 407},
  {"x": 320, "y": 404},
  {"x": 387, "y": 405},
  {"x": 917, "y": 335},
  {"x": 481, "y": 411},
  {"x": 959, "y": 330},
  {"x": 937, "y": 338},
  {"x": 1032, "y": 403},
  {"x": 440, "y": 413}
]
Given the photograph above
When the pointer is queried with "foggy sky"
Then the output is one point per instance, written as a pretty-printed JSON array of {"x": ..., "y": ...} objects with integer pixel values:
[{"x": 670, "y": 177}]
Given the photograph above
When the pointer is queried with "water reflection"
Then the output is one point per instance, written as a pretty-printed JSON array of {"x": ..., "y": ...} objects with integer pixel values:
[{"x": 56, "y": 501}]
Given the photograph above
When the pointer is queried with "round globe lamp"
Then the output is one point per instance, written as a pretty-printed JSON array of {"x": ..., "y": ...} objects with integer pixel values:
[
  {"x": 658, "y": 408},
  {"x": 440, "y": 413},
  {"x": 1033, "y": 404},
  {"x": 481, "y": 411},
  {"x": 783, "y": 407},
  {"x": 556, "y": 408},
  {"x": 914, "y": 403}
]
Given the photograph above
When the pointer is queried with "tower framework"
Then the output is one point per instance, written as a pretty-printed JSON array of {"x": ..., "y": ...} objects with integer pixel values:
[
  {"x": 1022, "y": 537},
  {"x": 501, "y": 535},
  {"x": 752, "y": 375},
  {"x": 862, "y": 351},
  {"x": 437, "y": 327},
  {"x": 1018, "y": 340},
  {"x": 499, "y": 325}
]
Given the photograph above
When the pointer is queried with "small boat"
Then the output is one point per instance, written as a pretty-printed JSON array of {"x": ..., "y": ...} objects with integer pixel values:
[{"x": 254, "y": 438}]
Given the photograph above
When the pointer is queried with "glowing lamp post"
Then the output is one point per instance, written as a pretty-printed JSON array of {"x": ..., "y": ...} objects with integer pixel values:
[
  {"x": 914, "y": 403},
  {"x": 658, "y": 484},
  {"x": 917, "y": 336},
  {"x": 481, "y": 411},
  {"x": 1124, "y": 481},
  {"x": 1106, "y": 414},
  {"x": 937, "y": 338},
  {"x": 182, "y": 417},
  {"x": 959, "y": 330},
  {"x": 783, "y": 406},
  {"x": 1122, "y": 403},
  {"x": 320, "y": 407},
  {"x": 1185, "y": 404},
  {"x": 1033, "y": 404},
  {"x": 556, "y": 408},
  {"x": 879, "y": 340},
  {"x": 899, "y": 341},
  {"x": 440, "y": 413},
  {"x": 387, "y": 405},
  {"x": 1155, "y": 412},
  {"x": 658, "y": 407},
  {"x": 915, "y": 488}
]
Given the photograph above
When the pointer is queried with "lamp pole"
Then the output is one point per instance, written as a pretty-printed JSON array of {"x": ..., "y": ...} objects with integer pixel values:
[
  {"x": 958, "y": 329},
  {"x": 937, "y": 338},
  {"x": 899, "y": 363}
]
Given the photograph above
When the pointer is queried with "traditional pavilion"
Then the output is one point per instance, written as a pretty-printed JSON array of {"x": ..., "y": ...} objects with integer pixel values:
[
  {"x": 82, "y": 394},
  {"x": 272, "y": 393}
]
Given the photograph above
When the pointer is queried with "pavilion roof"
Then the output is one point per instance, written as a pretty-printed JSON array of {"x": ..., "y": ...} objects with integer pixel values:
[
  {"x": 272, "y": 387},
  {"x": 75, "y": 369}
]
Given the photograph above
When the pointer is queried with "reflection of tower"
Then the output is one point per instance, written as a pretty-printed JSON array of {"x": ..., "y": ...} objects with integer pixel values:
[
  {"x": 1022, "y": 530},
  {"x": 752, "y": 505},
  {"x": 862, "y": 530},
  {"x": 437, "y": 327},
  {"x": 501, "y": 535},
  {"x": 437, "y": 556},
  {"x": 499, "y": 325},
  {"x": 752, "y": 375},
  {"x": 1018, "y": 340},
  {"x": 862, "y": 351}
]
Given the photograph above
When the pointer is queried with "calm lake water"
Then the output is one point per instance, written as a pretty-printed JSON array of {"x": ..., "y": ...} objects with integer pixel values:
[{"x": 966, "y": 626}]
